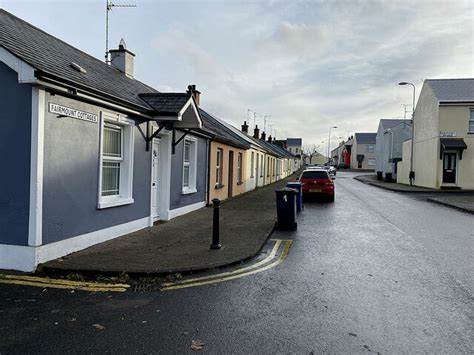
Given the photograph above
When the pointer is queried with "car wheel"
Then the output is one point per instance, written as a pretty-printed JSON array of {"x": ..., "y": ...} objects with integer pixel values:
[{"x": 331, "y": 198}]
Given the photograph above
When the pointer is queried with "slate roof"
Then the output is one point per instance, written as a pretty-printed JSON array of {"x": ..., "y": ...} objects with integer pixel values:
[
  {"x": 389, "y": 123},
  {"x": 294, "y": 141},
  {"x": 166, "y": 103},
  {"x": 452, "y": 90},
  {"x": 220, "y": 133},
  {"x": 365, "y": 138},
  {"x": 53, "y": 57}
]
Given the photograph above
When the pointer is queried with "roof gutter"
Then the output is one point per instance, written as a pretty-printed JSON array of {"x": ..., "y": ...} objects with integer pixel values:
[
  {"x": 456, "y": 103},
  {"x": 76, "y": 90}
]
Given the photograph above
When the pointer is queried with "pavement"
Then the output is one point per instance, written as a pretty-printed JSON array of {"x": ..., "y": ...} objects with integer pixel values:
[
  {"x": 358, "y": 279},
  {"x": 462, "y": 203},
  {"x": 462, "y": 200},
  {"x": 371, "y": 179},
  {"x": 182, "y": 244}
]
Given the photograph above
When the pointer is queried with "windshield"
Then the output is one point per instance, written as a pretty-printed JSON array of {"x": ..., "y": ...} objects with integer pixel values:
[{"x": 315, "y": 174}]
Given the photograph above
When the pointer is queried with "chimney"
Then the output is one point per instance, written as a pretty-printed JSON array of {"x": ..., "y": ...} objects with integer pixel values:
[
  {"x": 256, "y": 132},
  {"x": 245, "y": 127},
  {"x": 196, "y": 93},
  {"x": 122, "y": 59},
  {"x": 270, "y": 138},
  {"x": 263, "y": 136}
]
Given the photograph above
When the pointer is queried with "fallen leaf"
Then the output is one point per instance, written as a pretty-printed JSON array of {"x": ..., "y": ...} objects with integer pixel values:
[
  {"x": 98, "y": 326},
  {"x": 71, "y": 320},
  {"x": 197, "y": 344},
  {"x": 55, "y": 311},
  {"x": 143, "y": 321},
  {"x": 353, "y": 334},
  {"x": 185, "y": 333}
]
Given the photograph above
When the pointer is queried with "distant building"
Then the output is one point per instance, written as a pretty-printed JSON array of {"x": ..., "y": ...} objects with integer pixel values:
[
  {"x": 316, "y": 159},
  {"x": 294, "y": 146},
  {"x": 388, "y": 148},
  {"x": 363, "y": 151}
]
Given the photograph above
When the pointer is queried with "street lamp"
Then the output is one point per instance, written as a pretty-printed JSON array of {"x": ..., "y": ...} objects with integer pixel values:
[
  {"x": 329, "y": 144},
  {"x": 412, "y": 173}
]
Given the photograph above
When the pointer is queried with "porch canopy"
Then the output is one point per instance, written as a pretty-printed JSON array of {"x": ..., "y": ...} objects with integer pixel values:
[
  {"x": 178, "y": 108},
  {"x": 172, "y": 111},
  {"x": 456, "y": 144}
]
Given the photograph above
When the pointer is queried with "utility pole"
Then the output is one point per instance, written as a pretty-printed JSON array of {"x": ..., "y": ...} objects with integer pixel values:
[{"x": 108, "y": 8}]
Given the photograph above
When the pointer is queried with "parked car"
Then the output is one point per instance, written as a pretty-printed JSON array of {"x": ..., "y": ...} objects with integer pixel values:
[
  {"x": 330, "y": 169},
  {"x": 317, "y": 182}
]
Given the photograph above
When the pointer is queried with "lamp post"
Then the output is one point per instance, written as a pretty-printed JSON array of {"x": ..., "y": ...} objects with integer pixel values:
[
  {"x": 329, "y": 144},
  {"x": 411, "y": 175}
]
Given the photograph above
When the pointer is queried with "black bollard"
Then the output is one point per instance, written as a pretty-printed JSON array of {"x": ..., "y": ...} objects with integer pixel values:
[{"x": 216, "y": 203}]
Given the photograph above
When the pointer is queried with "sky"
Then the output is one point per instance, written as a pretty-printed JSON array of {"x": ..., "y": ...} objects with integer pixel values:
[{"x": 310, "y": 65}]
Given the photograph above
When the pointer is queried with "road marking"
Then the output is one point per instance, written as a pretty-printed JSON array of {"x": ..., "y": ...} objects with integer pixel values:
[
  {"x": 61, "y": 284},
  {"x": 207, "y": 280},
  {"x": 229, "y": 273}
]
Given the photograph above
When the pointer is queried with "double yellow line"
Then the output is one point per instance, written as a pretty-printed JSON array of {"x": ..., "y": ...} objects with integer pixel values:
[
  {"x": 61, "y": 284},
  {"x": 269, "y": 262}
]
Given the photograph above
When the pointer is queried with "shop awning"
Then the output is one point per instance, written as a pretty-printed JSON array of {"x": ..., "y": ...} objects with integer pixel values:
[{"x": 456, "y": 144}]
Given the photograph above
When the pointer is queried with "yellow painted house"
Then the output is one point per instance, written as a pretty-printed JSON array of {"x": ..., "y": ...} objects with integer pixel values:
[{"x": 443, "y": 148}]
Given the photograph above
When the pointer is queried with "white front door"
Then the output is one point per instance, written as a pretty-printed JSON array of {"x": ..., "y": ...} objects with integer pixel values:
[{"x": 155, "y": 174}]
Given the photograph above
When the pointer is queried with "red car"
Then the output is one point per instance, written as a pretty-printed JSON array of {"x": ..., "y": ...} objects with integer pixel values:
[{"x": 317, "y": 182}]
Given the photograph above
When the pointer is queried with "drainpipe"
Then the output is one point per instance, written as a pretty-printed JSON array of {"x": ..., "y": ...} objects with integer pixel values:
[{"x": 208, "y": 175}]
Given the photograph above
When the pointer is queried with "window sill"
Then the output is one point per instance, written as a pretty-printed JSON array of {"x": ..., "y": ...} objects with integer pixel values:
[
  {"x": 188, "y": 191},
  {"x": 114, "y": 202},
  {"x": 219, "y": 186}
]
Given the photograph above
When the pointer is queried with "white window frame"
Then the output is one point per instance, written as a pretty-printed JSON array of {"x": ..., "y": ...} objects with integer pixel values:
[
  {"x": 262, "y": 162},
  {"x": 219, "y": 160},
  {"x": 370, "y": 148},
  {"x": 471, "y": 122},
  {"x": 371, "y": 160},
  {"x": 125, "y": 196},
  {"x": 191, "y": 188}
]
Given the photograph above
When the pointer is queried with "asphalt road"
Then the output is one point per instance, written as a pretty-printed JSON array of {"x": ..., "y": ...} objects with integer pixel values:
[{"x": 375, "y": 271}]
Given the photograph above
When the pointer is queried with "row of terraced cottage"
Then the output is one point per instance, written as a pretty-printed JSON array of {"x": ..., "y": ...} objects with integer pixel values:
[{"x": 89, "y": 153}]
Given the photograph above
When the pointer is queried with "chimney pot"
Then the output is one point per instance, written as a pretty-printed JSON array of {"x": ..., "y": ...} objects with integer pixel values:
[
  {"x": 256, "y": 132},
  {"x": 122, "y": 59},
  {"x": 196, "y": 93},
  {"x": 263, "y": 136},
  {"x": 270, "y": 138},
  {"x": 245, "y": 127}
]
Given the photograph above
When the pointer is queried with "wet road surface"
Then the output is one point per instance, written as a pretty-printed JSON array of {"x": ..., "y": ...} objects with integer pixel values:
[{"x": 376, "y": 271}]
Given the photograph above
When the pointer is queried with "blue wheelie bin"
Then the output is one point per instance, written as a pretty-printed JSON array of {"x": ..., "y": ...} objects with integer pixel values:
[
  {"x": 299, "y": 195},
  {"x": 286, "y": 208}
]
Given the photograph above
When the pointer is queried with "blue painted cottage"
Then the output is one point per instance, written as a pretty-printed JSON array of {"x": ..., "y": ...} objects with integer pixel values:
[{"x": 88, "y": 153}]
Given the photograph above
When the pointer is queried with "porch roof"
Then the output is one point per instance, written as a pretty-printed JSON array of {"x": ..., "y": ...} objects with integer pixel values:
[{"x": 457, "y": 144}]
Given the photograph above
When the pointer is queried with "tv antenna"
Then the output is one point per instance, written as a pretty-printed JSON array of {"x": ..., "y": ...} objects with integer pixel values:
[{"x": 108, "y": 8}]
